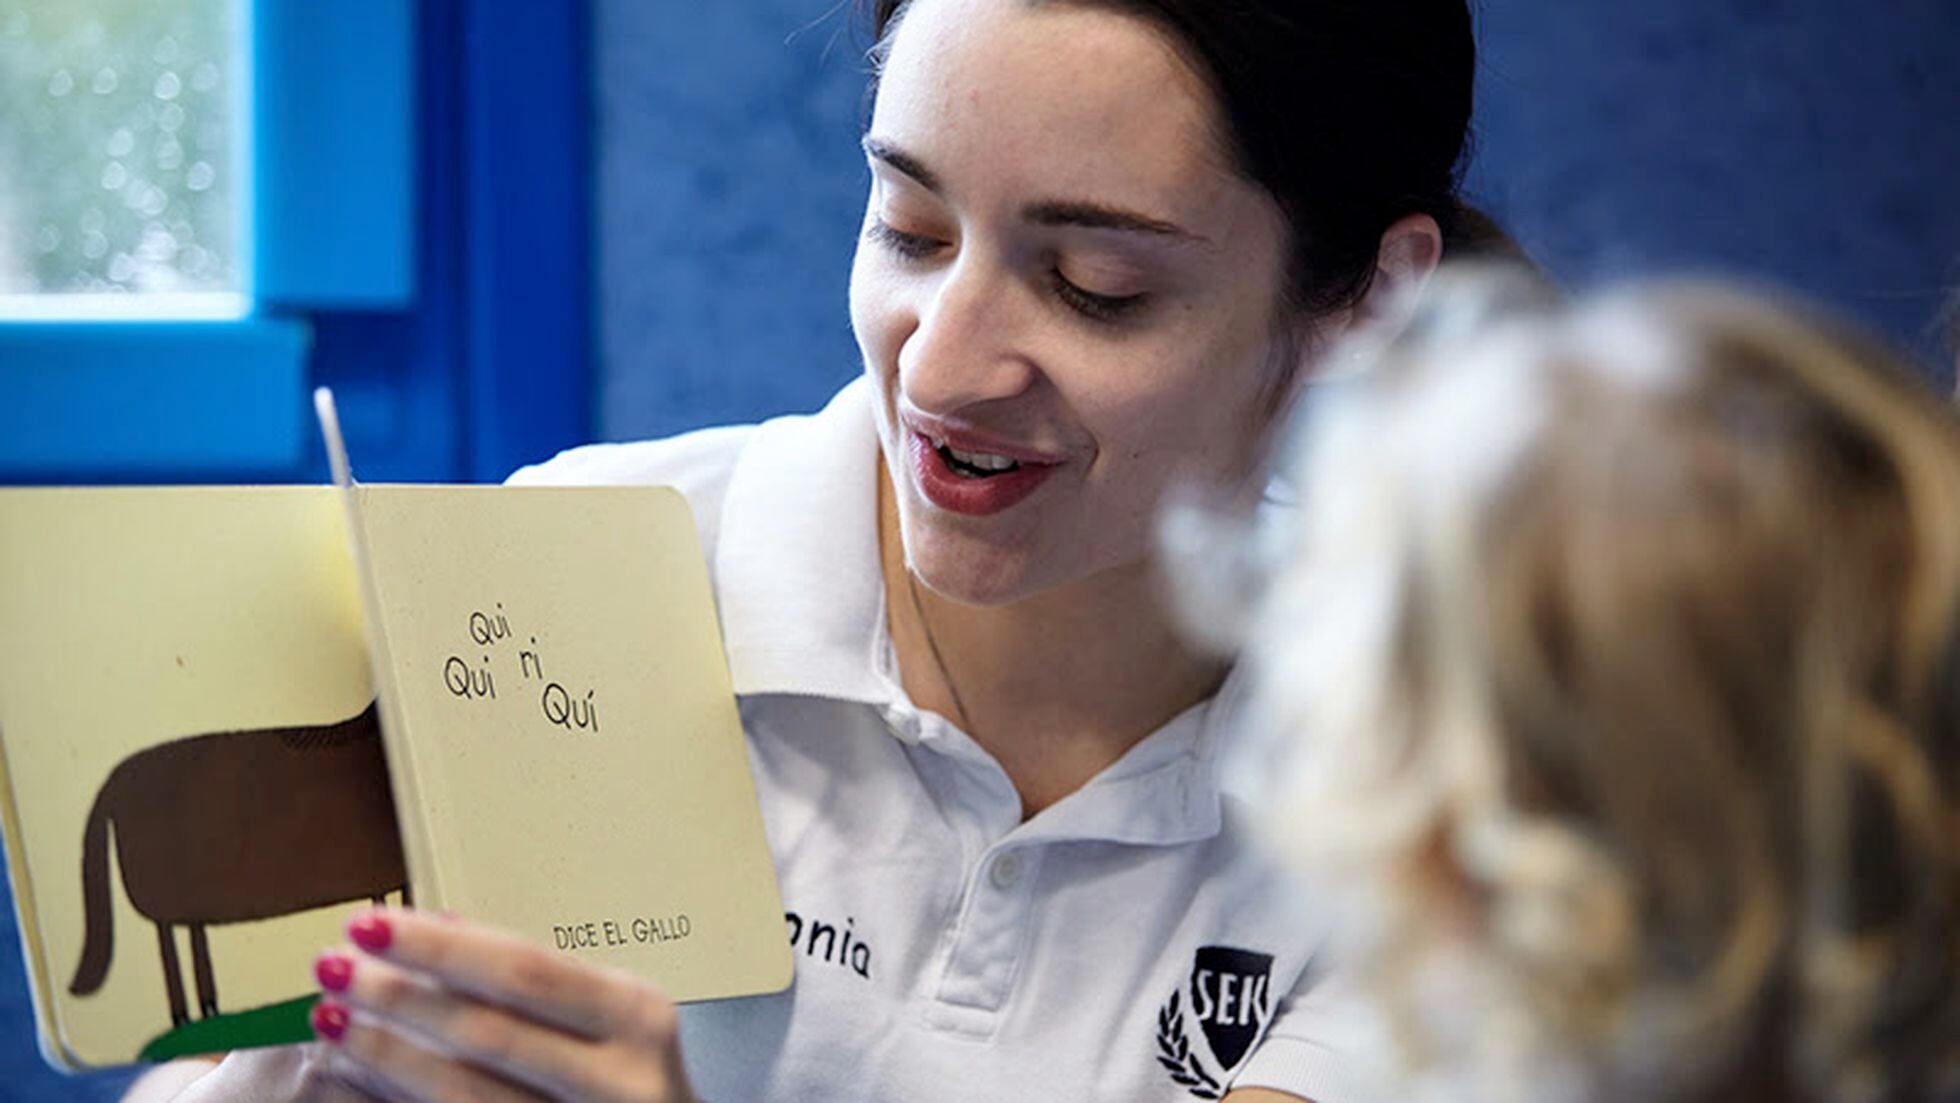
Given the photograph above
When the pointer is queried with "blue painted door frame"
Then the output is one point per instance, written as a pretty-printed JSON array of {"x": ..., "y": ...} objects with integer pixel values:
[{"x": 491, "y": 368}]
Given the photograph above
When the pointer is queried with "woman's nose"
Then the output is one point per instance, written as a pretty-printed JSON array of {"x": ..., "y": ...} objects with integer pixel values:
[{"x": 966, "y": 348}]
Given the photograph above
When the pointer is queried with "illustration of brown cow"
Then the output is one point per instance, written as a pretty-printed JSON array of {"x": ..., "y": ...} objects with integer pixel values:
[{"x": 234, "y": 827}]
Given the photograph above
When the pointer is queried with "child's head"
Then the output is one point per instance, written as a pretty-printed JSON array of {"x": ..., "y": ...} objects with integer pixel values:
[{"x": 1615, "y": 654}]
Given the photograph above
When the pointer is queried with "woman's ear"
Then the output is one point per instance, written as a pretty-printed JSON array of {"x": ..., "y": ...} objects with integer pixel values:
[{"x": 1410, "y": 251}]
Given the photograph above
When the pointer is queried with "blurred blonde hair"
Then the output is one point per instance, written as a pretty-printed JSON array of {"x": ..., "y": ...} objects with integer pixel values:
[{"x": 1610, "y": 658}]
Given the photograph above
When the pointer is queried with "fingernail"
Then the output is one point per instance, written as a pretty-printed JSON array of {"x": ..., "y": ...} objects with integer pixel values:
[
  {"x": 334, "y": 971},
  {"x": 329, "y": 1020},
  {"x": 371, "y": 933}
]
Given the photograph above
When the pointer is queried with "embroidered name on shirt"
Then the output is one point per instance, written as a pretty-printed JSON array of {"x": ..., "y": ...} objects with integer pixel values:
[
  {"x": 837, "y": 945},
  {"x": 1230, "y": 1001}
]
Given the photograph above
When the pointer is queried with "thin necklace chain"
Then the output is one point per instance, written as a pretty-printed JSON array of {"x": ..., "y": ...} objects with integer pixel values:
[{"x": 939, "y": 660}]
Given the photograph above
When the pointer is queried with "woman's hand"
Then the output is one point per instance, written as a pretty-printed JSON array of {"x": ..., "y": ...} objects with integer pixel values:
[{"x": 429, "y": 1010}]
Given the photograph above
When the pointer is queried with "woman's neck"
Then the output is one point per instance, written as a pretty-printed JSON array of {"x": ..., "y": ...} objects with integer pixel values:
[{"x": 1057, "y": 686}]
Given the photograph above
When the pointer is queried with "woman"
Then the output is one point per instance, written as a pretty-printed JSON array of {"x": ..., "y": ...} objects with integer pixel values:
[
  {"x": 1104, "y": 242},
  {"x": 1627, "y": 654}
]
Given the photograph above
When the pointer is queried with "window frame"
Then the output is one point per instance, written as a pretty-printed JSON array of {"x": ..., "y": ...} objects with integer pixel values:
[{"x": 418, "y": 239}]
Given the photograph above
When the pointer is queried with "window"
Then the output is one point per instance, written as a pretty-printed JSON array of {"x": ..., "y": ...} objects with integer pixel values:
[
  {"x": 119, "y": 144},
  {"x": 393, "y": 204}
]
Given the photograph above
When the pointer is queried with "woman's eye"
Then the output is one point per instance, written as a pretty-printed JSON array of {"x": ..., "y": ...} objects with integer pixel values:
[
  {"x": 1089, "y": 304},
  {"x": 909, "y": 246}
]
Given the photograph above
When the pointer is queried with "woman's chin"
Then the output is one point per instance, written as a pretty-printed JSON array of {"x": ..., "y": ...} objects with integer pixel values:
[
  {"x": 997, "y": 564},
  {"x": 974, "y": 579}
]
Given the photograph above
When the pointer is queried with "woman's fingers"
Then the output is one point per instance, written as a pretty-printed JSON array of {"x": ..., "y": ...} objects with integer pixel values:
[
  {"x": 505, "y": 970},
  {"x": 442, "y": 1005},
  {"x": 393, "y": 1065},
  {"x": 520, "y": 1049}
]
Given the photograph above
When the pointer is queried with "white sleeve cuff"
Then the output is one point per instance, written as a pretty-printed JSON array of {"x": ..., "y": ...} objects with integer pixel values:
[{"x": 1311, "y": 1071}]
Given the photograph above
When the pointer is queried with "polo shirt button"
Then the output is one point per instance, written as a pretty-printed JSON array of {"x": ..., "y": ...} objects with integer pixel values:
[{"x": 1006, "y": 870}]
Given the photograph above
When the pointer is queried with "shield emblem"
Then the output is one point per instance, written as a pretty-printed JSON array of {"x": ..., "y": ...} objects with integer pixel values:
[{"x": 1231, "y": 998}]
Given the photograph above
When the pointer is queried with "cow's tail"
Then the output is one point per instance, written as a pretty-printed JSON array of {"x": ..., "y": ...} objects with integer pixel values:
[{"x": 98, "y": 937}]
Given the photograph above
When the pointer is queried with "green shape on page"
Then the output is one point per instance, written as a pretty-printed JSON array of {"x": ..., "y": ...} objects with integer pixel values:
[{"x": 271, "y": 1025}]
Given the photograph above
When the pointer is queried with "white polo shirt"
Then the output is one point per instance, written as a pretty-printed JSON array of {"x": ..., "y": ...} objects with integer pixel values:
[{"x": 1124, "y": 944}]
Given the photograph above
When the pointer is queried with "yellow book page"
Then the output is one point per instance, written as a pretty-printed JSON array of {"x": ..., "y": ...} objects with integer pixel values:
[
  {"x": 577, "y": 757},
  {"x": 191, "y": 759}
]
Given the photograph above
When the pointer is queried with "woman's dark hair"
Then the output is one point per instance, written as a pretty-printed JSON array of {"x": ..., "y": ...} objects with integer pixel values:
[{"x": 1350, "y": 113}]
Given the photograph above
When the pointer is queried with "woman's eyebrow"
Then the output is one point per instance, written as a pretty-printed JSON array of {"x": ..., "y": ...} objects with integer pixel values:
[
  {"x": 880, "y": 150},
  {"x": 1095, "y": 216}
]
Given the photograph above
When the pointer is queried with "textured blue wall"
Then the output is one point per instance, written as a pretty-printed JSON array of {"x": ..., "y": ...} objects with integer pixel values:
[
  {"x": 1810, "y": 143},
  {"x": 729, "y": 191}
]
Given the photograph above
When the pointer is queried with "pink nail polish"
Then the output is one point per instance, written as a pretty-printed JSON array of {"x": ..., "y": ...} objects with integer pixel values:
[
  {"x": 371, "y": 933},
  {"x": 334, "y": 971},
  {"x": 329, "y": 1021}
]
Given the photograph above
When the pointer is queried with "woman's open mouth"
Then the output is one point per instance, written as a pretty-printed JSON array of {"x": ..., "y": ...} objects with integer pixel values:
[
  {"x": 974, "y": 465},
  {"x": 973, "y": 482}
]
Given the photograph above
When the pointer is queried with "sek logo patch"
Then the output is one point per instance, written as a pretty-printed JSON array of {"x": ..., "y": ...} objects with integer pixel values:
[{"x": 1230, "y": 1002}]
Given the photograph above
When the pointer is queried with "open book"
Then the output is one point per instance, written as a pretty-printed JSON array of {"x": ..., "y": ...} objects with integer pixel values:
[{"x": 229, "y": 717}]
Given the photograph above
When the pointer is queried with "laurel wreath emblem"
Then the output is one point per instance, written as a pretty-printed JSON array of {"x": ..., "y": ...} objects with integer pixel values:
[{"x": 1175, "y": 1054}]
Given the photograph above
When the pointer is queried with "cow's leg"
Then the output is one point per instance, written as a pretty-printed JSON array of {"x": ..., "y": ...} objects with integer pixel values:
[
  {"x": 173, "y": 981},
  {"x": 207, "y": 985},
  {"x": 407, "y": 900}
]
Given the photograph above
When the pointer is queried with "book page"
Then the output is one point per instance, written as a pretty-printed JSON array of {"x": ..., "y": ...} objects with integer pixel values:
[
  {"x": 565, "y": 699},
  {"x": 197, "y": 794}
]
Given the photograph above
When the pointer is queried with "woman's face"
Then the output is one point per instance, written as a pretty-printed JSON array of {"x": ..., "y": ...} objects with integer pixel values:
[{"x": 1066, "y": 295}]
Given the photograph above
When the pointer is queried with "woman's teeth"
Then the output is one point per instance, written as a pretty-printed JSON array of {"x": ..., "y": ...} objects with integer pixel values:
[{"x": 975, "y": 464}]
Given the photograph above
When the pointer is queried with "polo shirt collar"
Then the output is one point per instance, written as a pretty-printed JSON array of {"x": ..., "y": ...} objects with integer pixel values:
[
  {"x": 803, "y": 614},
  {"x": 796, "y": 560}
]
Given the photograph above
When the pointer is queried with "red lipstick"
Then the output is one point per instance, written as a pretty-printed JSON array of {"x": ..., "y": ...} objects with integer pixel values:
[{"x": 955, "y": 492}]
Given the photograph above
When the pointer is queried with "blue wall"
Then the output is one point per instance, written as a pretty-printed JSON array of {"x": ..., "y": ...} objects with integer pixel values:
[
  {"x": 729, "y": 187},
  {"x": 1811, "y": 143}
]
